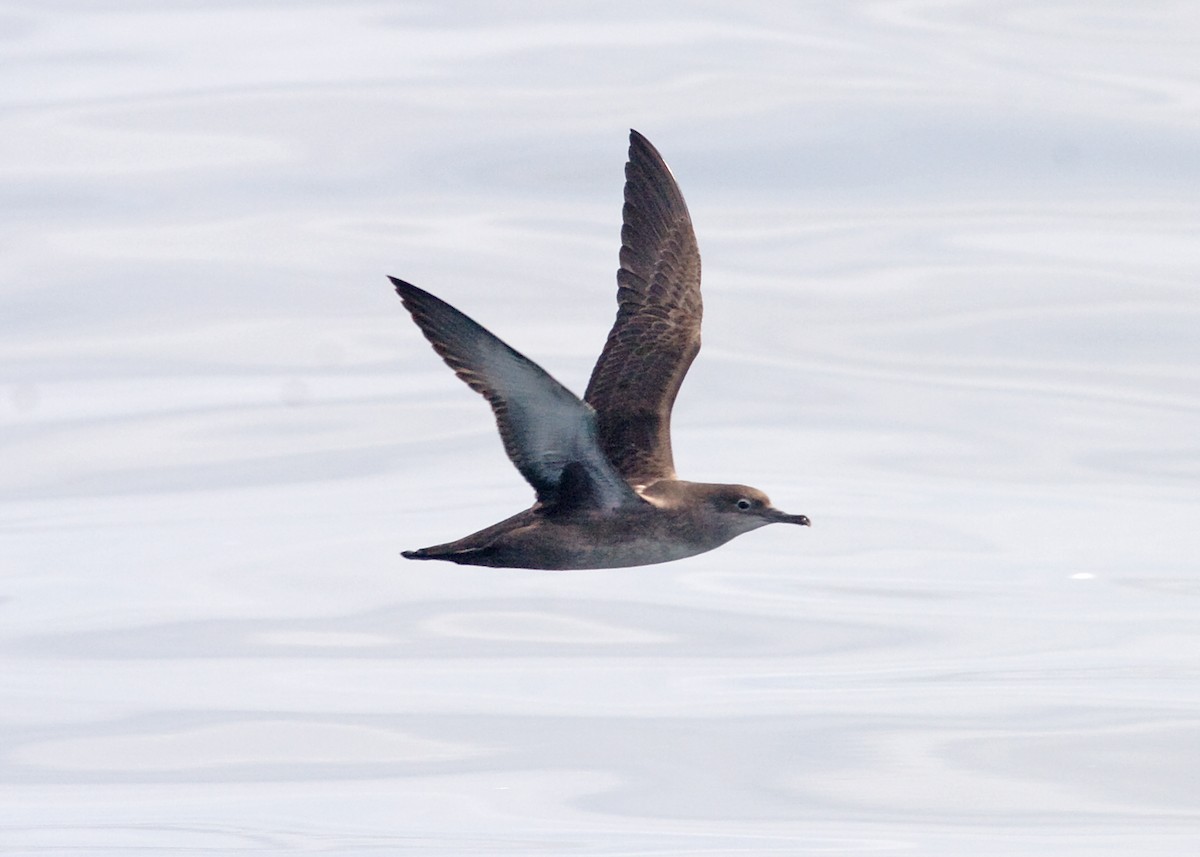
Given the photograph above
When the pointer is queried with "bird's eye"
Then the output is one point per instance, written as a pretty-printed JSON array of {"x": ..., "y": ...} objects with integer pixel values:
[{"x": 744, "y": 504}]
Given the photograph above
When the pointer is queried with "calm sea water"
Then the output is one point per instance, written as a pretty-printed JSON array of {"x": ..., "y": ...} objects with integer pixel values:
[{"x": 953, "y": 315}]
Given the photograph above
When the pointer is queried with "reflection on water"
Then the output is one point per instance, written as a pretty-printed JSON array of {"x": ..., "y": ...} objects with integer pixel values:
[{"x": 951, "y": 315}]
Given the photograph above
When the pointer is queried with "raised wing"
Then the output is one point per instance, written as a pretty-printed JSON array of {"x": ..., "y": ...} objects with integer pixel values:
[
  {"x": 548, "y": 433},
  {"x": 657, "y": 332}
]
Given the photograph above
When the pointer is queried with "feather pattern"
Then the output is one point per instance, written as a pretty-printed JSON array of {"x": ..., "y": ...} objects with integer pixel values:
[
  {"x": 656, "y": 335},
  {"x": 548, "y": 433}
]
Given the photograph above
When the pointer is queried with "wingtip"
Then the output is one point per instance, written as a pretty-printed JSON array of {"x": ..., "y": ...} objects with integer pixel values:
[
  {"x": 400, "y": 286},
  {"x": 638, "y": 140},
  {"x": 411, "y": 295},
  {"x": 644, "y": 156}
]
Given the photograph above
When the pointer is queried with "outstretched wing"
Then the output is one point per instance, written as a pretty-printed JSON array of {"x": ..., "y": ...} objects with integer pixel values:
[
  {"x": 548, "y": 433},
  {"x": 657, "y": 332}
]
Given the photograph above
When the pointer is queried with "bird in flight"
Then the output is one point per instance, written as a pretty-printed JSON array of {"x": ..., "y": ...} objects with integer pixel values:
[{"x": 601, "y": 466}]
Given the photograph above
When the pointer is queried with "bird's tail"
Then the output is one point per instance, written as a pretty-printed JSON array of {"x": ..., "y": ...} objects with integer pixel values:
[{"x": 462, "y": 556}]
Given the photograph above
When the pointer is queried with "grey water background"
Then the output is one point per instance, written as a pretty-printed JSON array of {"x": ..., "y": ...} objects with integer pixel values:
[{"x": 952, "y": 282}]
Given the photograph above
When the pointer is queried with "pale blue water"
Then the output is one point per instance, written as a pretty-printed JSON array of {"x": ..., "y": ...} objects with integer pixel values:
[{"x": 952, "y": 282}]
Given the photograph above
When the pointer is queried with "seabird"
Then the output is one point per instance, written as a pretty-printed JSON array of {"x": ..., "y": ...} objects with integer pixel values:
[{"x": 601, "y": 467}]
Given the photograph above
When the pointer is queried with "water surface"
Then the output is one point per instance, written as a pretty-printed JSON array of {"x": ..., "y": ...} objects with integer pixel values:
[{"x": 952, "y": 315}]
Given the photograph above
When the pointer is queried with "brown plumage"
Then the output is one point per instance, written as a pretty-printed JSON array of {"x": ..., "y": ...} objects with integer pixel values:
[
  {"x": 602, "y": 467},
  {"x": 657, "y": 332}
]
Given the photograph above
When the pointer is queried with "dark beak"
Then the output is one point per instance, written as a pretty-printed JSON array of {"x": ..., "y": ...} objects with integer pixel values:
[{"x": 778, "y": 517}]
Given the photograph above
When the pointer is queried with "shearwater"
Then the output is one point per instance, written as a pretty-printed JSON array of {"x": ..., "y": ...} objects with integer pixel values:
[{"x": 607, "y": 494}]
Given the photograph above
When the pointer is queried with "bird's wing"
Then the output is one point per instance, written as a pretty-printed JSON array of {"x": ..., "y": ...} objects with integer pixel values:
[
  {"x": 657, "y": 332},
  {"x": 548, "y": 433}
]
